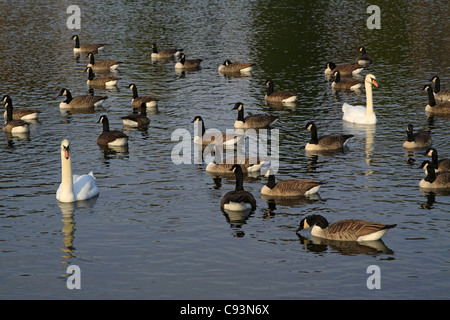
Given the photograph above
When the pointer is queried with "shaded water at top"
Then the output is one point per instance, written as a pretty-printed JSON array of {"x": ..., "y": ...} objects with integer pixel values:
[{"x": 156, "y": 230}]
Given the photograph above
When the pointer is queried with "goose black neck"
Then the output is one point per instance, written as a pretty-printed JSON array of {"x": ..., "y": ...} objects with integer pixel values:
[
  {"x": 203, "y": 128},
  {"x": 431, "y": 100},
  {"x": 437, "y": 85},
  {"x": 314, "y": 138},
  {"x": 434, "y": 159},
  {"x": 431, "y": 174},
  {"x": 90, "y": 74},
  {"x": 239, "y": 179},
  {"x": 105, "y": 122},
  {"x": 409, "y": 135},
  {"x": 135, "y": 93},
  {"x": 271, "y": 182},
  {"x": 68, "y": 96},
  {"x": 144, "y": 110},
  {"x": 154, "y": 48},
  {"x": 270, "y": 88},
  {"x": 91, "y": 59},
  {"x": 337, "y": 77},
  {"x": 9, "y": 112},
  {"x": 77, "y": 42},
  {"x": 183, "y": 60},
  {"x": 241, "y": 114}
]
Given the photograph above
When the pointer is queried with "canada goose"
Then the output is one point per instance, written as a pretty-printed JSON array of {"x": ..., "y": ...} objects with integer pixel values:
[
  {"x": 74, "y": 187},
  {"x": 256, "y": 121},
  {"x": 191, "y": 64},
  {"x": 105, "y": 81},
  {"x": 347, "y": 84},
  {"x": 360, "y": 114},
  {"x": 136, "y": 101},
  {"x": 344, "y": 69},
  {"x": 22, "y": 113},
  {"x": 344, "y": 230},
  {"x": 280, "y": 96},
  {"x": 14, "y": 126},
  {"x": 438, "y": 164},
  {"x": 207, "y": 139},
  {"x": 324, "y": 143},
  {"x": 110, "y": 138},
  {"x": 433, "y": 179},
  {"x": 137, "y": 120},
  {"x": 432, "y": 106},
  {"x": 416, "y": 140},
  {"x": 236, "y": 67},
  {"x": 239, "y": 199},
  {"x": 247, "y": 164},
  {"x": 165, "y": 53},
  {"x": 443, "y": 95},
  {"x": 102, "y": 65},
  {"x": 79, "y": 102},
  {"x": 363, "y": 59},
  {"x": 94, "y": 48},
  {"x": 289, "y": 187}
]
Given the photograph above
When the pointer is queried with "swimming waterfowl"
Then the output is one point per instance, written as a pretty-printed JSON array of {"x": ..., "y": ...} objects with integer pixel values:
[
  {"x": 363, "y": 59},
  {"x": 102, "y": 65},
  {"x": 137, "y": 120},
  {"x": 346, "y": 84},
  {"x": 442, "y": 95},
  {"x": 14, "y": 126},
  {"x": 279, "y": 96},
  {"x": 22, "y": 113},
  {"x": 433, "y": 107},
  {"x": 188, "y": 64},
  {"x": 327, "y": 142},
  {"x": 165, "y": 53},
  {"x": 416, "y": 140},
  {"x": 360, "y": 114},
  {"x": 94, "y": 48},
  {"x": 239, "y": 199},
  {"x": 344, "y": 230},
  {"x": 209, "y": 138},
  {"x": 235, "y": 67},
  {"x": 111, "y": 138},
  {"x": 344, "y": 69},
  {"x": 438, "y": 164},
  {"x": 256, "y": 121},
  {"x": 248, "y": 164},
  {"x": 136, "y": 101},
  {"x": 105, "y": 81},
  {"x": 433, "y": 179},
  {"x": 289, "y": 187},
  {"x": 74, "y": 187},
  {"x": 80, "y": 102}
]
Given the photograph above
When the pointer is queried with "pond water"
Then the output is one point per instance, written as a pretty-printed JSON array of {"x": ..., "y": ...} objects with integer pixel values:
[{"x": 156, "y": 230}]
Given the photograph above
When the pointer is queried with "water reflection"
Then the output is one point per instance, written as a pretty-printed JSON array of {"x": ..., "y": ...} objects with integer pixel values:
[
  {"x": 367, "y": 131},
  {"x": 346, "y": 248}
]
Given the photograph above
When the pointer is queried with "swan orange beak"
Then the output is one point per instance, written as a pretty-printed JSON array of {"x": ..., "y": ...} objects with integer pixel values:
[{"x": 374, "y": 82}]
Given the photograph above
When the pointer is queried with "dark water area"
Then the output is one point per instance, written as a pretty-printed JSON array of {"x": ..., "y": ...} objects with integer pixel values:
[{"x": 156, "y": 230}]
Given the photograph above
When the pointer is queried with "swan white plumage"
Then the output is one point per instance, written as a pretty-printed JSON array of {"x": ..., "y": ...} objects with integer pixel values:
[
  {"x": 74, "y": 187},
  {"x": 361, "y": 114}
]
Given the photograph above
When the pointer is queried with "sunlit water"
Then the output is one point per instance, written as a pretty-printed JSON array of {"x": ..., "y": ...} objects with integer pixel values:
[{"x": 156, "y": 230}]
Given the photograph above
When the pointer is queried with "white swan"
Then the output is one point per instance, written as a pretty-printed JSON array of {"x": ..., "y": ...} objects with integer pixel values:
[
  {"x": 74, "y": 187},
  {"x": 360, "y": 114}
]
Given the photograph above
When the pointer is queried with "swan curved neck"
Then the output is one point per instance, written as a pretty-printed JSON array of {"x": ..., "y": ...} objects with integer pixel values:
[
  {"x": 369, "y": 99},
  {"x": 66, "y": 174}
]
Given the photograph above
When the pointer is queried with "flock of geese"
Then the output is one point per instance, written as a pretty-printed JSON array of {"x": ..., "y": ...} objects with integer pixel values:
[{"x": 345, "y": 77}]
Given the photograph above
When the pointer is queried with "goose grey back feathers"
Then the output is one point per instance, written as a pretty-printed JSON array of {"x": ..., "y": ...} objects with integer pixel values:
[
  {"x": 433, "y": 179},
  {"x": 345, "y": 84},
  {"x": 94, "y": 48},
  {"x": 235, "y": 67},
  {"x": 102, "y": 65},
  {"x": 14, "y": 126},
  {"x": 109, "y": 137},
  {"x": 139, "y": 120},
  {"x": 239, "y": 199},
  {"x": 256, "y": 121},
  {"x": 416, "y": 140},
  {"x": 22, "y": 113},
  {"x": 438, "y": 164},
  {"x": 434, "y": 107},
  {"x": 80, "y": 102},
  {"x": 344, "y": 230},
  {"x": 278, "y": 96},
  {"x": 188, "y": 64},
  {"x": 105, "y": 81},
  {"x": 327, "y": 142},
  {"x": 442, "y": 95},
  {"x": 344, "y": 69},
  {"x": 137, "y": 101},
  {"x": 289, "y": 187}
]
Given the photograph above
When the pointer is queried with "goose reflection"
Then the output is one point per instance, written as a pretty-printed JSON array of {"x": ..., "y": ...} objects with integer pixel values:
[
  {"x": 290, "y": 202},
  {"x": 346, "y": 248},
  {"x": 237, "y": 219},
  {"x": 114, "y": 150}
]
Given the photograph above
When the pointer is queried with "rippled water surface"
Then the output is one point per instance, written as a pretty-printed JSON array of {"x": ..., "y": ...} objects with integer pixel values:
[{"x": 156, "y": 230}]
